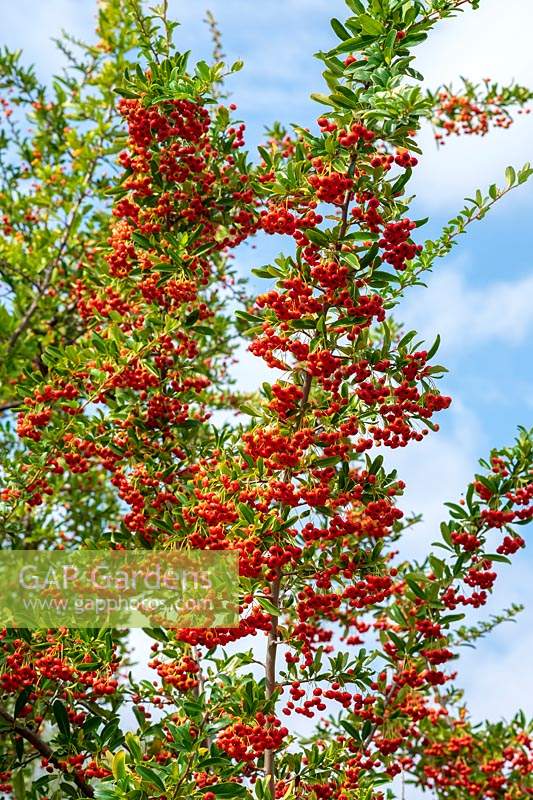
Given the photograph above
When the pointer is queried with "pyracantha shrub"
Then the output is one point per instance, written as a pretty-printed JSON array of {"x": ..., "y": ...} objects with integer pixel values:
[{"x": 126, "y": 188}]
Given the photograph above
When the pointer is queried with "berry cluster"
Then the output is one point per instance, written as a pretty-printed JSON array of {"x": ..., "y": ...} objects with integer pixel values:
[{"x": 246, "y": 742}]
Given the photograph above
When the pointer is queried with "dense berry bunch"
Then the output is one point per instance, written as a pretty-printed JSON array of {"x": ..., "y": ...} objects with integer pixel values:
[{"x": 473, "y": 112}]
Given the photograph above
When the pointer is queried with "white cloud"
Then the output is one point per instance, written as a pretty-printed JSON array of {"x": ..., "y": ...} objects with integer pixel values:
[
  {"x": 497, "y": 674},
  {"x": 30, "y": 25},
  {"x": 435, "y": 471},
  {"x": 250, "y": 371},
  {"x": 492, "y": 42},
  {"x": 447, "y": 175},
  {"x": 466, "y": 316}
]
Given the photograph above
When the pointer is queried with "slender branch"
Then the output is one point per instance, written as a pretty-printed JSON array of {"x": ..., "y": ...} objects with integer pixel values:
[
  {"x": 216, "y": 36},
  {"x": 444, "y": 243},
  {"x": 308, "y": 380},
  {"x": 32, "y": 308},
  {"x": 9, "y": 405},
  {"x": 140, "y": 19},
  {"x": 386, "y": 702},
  {"x": 48, "y": 273},
  {"x": 45, "y": 750},
  {"x": 347, "y": 200},
  {"x": 270, "y": 675},
  {"x": 438, "y": 13},
  {"x": 275, "y": 589}
]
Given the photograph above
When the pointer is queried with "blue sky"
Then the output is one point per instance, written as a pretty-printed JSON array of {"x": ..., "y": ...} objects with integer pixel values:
[{"x": 479, "y": 299}]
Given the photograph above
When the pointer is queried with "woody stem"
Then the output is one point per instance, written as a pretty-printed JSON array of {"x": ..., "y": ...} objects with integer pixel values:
[{"x": 44, "y": 749}]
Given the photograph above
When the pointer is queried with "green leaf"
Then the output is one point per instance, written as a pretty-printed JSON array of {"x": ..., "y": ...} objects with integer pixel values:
[
  {"x": 457, "y": 511},
  {"x": 445, "y": 533},
  {"x": 348, "y": 46},
  {"x": 19, "y": 748},
  {"x": 247, "y": 513},
  {"x": 525, "y": 173},
  {"x": 449, "y": 618},
  {"x": 244, "y": 315},
  {"x": 87, "y": 667},
  {"x": 339, "y": 29},
  {"x": 133, "y": 744},
  {"x": 497, "y": 557},
  {"x": 401, "y": 182},
  {"x": 388, "y": 48},
  {"x": 22, "y": 700},
  {"x": 328, "y": 461},
  {"x": 344, "y": 100},
  {"x": 61, "y": 716},
  {"x": 434, "y": 347},
  {"x": 226, "y": 790},
  {"x": 348, "y": 95},
  {"x": 128, "y": 93},
  {"x": 247, "y": 409},
  {"x": 141, "y": 240},
  {"x": 363, "y": 236},
  {"x": 267, "y": 271},
  {"x": 370, "y": 25},
  {"x": 399, "y": 644},
  {"x": 406, "y": 339},
  {"x": 322, "y": 98},
  {"x": 150, "y": 775},
  {"x": 349, "y": 728},
  {"x": 191, "y": 318},
  {"x": 268, "y": 605},
  {"x": 118, "y": 765},
  {"x": 381, "y": 277},
  {"x": 68, "y": 791},
  {"x": 203, "y": 71},
  {"x": 156, "y": 633},
  {"x": 376, "y": 464},
  {"x": 415, "y": 588},
  {"x": 19, "y": 786},
  {"x": 356, "y": 6},
  {"x": 317, "y": 237}
]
